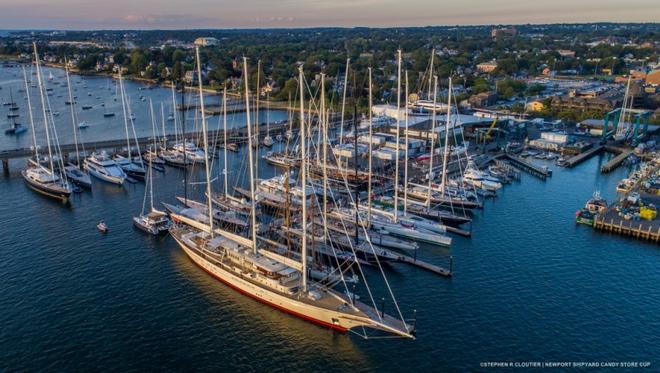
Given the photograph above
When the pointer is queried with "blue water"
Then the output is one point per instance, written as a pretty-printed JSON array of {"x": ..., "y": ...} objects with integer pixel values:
[{"x": 528, "y": 285}]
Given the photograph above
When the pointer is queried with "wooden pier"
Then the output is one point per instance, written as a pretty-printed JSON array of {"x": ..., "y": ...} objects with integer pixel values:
[
  {"x": 538, "y": 171},
  {"x": 642, "y": 230},
  {"x": 571, "y": 162},
  {"x": 615, "y": 162}
]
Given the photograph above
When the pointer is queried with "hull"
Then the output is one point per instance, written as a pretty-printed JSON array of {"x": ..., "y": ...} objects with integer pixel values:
[
  {"x": 46, "y": 190},
  {"x": 299, "y": 309},
  {"x": 106, "y": 178}
]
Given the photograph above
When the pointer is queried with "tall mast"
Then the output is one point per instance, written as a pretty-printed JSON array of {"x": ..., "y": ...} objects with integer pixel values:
[
  {"x": 405, "y": 158},
  {"x": 323, "y": 127},
  {"x": 73, "y": 111},
  {"x": 43, "y": 107},
  {"x": 183, "y": 137},
  {"x": 343, "y": 103},
  {"x": 250, "y": 157},
  {"x": 176, "y": 131},
  {"x": 435, "y": 94},
  {"x": 206, "y": 140},
  {"x": 446, "y": 153},
  {"x": 123, "y": 107},
  {"x": 224, "y": 128},
  {"x": 162, "y": 122},
  {"x": 256, "y": 122},
  {"x": 431, "y": 73},
  {"x": 34, "y": 136},
  {"x": 370, "y": 148},
  {"x": 153, "y": 130},
  {"x": 398, "y": 136},
  {"x": 303, "y": 178}
]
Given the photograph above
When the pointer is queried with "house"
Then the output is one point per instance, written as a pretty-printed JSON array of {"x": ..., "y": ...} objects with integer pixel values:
[
  {"x": 534, "y": 106},
  {"x": 487, "y": 67},
  {"x": 206, "y": 42},
  {"x": 503, "y": 32},
  {"x": 566, "y": 53},
  {"x": 653, "y": 78},
  {"x": 482, "y": 99}
]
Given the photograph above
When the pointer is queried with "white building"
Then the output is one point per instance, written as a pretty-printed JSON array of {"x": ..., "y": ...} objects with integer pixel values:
[{"x": 206, "y": 42}]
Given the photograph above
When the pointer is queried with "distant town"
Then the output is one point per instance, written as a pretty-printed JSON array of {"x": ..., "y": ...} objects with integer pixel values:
[{"x": 564, "y": 71}]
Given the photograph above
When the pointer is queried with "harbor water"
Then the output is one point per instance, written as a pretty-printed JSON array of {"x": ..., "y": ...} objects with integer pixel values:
[{"x": 529, "y": 285}]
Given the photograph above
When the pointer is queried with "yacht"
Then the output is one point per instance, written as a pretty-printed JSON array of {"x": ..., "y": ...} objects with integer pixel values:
[
  {"x": 155, "y": 222},
  {"x": 77, "y": 176},
  {"x": 478, "y": 179},
  {"x": 130, "y": 168},
  {"x": 104, "y": 168},
  {"x": 44, "y": 181},
  {"x": 193, "y": 153}
]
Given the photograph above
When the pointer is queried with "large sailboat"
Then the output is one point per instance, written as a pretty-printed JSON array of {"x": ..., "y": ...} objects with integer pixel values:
[
  {"x": 75, "y": 172},
  {"x": 39, "y": 178},
  {"x": 247, "y": 265}
]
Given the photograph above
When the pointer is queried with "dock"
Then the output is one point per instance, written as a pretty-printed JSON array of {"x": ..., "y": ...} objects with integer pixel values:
[
  {"x": 413, "y": 261},
  {"x": 539, "y": 171},
  {"x": 573, "y": 161},
  {"x": 615, "y": 162},
  {"x": 646, "y": 230}
]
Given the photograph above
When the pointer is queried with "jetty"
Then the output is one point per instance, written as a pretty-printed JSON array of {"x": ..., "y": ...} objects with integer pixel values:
[
  {"x": 615, "y": 162},
  {"x": 611, "y": 222},
  {"x": 541, "y": 172},
  {"x": 579, "y": 158}
]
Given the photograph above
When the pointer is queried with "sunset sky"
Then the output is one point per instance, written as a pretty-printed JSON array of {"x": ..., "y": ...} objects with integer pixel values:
[{"x": 150, "y": 14}]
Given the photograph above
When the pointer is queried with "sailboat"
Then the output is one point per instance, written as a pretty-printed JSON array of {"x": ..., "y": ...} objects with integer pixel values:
[
  {"x": 273, "y": 279},
  {"x": 155, "y": 222},
  {"x": 16, "y": 128},
  {"x": 126, "y": 163},
  {"x": 268, "y": 141},
  {"x": 75, "y": 172},
  {"x": 38, "y": 177}
]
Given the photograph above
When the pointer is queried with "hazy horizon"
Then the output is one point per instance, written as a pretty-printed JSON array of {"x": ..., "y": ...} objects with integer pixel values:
[{"x": 250, "y": 14}]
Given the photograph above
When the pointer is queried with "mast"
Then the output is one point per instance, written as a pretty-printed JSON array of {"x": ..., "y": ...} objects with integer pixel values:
[
  {"x": 250, "y": 157},
  {"x": 398, "y": 137},
  {"x": 431, "y": 73},
  {"x": 256, "y": 122},
  {"x": 34, "y": 136},
  {"x": 162, "y": 122},
  {"x": 154, "y": 154},
  {"x": 183, "y": 137},
  {"x": 435, "y": 95},
  {"x": 405, "y": 158},
  {"x": 43, "y": 108},
  {"x": 303, "y": 177},
  {"x": 343, "y": 104},
  {"x": 324, "y": 127},
  {"x": 206, "y": 140},
  {"x": 176, "y": 131},
  {"x": 224, "y": 128},
  {"x": 370, "y": 148},
  {"x": 355, "y": 165},
  {"x": 446, "y": 152},
  {"x": 123, "y": 107},
  {"x": 73, "y": 112}
]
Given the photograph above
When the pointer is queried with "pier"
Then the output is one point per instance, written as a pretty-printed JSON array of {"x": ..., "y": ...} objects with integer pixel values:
[
  {"x": 571, "y": 162},
  {"x": 615, "y": 162},
  {"x": 539, "y": 171},
  {"x": 646, "y": 230}
]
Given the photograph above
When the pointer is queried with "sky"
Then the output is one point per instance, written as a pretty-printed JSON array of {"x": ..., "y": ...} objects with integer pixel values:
[{"x": 191, "y": 14}]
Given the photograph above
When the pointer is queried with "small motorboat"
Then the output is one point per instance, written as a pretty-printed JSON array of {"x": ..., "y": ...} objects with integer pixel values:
[
  {"x": 83, "y": 125},
  {"x": 101, "y": 226}
]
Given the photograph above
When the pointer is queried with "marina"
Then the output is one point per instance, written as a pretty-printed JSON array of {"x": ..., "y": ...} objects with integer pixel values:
[{"x": 298, "y": 238}]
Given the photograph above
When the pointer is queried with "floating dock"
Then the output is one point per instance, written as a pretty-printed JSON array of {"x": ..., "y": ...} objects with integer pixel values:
[
  {"x": 615, "y": 162},
  {"x": 571, "y": 162},
  {"x": 538, "y": 171}
]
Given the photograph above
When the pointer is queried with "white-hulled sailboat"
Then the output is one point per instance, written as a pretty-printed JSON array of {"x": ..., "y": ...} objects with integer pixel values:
[
  {"x": 39, "y": 178},
  {"x": 268, "y": 277},
  {"x": 75, "y": 172}
]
